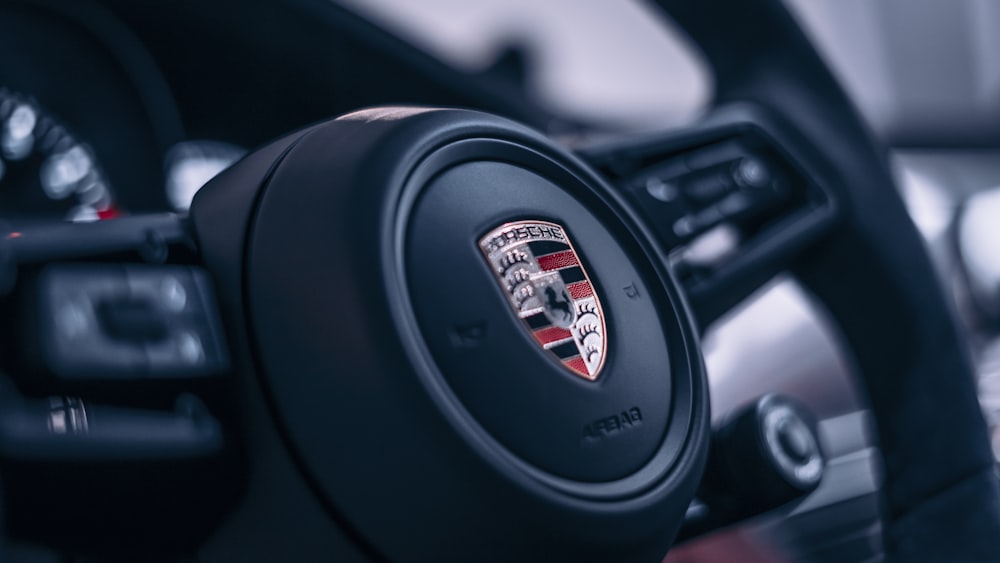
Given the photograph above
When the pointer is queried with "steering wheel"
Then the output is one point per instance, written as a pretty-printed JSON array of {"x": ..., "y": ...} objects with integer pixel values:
[{"x": 451, "y": 339}]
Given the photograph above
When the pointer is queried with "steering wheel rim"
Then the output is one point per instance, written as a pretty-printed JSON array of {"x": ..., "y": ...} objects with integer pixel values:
[{"x": 874, "y": 275}]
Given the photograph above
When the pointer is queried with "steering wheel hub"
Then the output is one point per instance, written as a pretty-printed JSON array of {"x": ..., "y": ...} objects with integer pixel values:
[
  {"x": 449, "y": 313},
  {"x": 523, "y": 312}
]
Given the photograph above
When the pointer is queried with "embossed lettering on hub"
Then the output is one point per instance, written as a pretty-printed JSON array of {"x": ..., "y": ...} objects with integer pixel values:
[{"x": 611, "y": 426}]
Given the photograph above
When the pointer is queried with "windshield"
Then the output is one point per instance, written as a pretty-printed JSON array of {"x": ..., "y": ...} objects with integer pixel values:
[
  {"x": 617, "y": 64},
  {"x": 922, "y": 73}
]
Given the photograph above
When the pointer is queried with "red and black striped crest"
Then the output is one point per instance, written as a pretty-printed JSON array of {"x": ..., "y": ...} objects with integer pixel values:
[{"x": 540, "y": 271}]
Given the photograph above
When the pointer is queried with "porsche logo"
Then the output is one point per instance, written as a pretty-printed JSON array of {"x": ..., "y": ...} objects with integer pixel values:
[{"x": 541, "y": 274}]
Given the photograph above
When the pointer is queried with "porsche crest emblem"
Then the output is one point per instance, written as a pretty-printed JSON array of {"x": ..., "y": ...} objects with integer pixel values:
[{"x": 541, "y": 274}]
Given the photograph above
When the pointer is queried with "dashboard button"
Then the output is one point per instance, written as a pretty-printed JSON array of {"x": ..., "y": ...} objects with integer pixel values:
[
  {"x": 137, "y": 321},
  {"x": 132, "y": 320}
]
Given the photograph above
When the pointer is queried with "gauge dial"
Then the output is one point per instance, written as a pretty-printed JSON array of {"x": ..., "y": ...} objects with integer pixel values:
[{"x": 45, "y": 170}]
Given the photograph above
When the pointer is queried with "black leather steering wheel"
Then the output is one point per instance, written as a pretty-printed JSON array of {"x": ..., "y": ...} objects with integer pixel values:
[{"x": 399, "y": 395}]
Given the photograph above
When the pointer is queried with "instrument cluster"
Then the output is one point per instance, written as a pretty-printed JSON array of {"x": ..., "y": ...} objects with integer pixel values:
[{"x": 88, "y": 126}]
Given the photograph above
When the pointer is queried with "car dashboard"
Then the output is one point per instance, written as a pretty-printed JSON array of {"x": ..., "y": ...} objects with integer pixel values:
[{"x": 114, "y": 108}]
